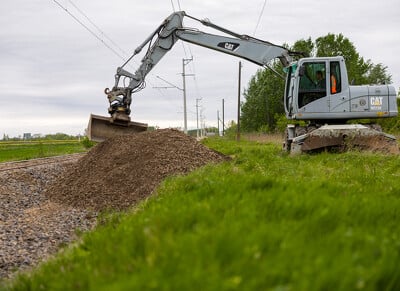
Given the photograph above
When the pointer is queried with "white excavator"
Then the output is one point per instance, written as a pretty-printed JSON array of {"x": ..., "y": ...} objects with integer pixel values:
[{"x": 317, "y": 90}]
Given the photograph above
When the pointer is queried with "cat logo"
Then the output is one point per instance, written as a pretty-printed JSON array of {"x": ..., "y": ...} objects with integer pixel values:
[
  {"x": 376, "y": 103},
  {"x": 232, "y": 46}
]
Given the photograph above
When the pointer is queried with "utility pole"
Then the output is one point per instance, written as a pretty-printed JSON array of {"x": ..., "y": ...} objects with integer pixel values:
[
  {"x": 218, "y": 121},
  {"x": 202, "y": 123},
  {"x": 238, "y": 112},
  {"x": 223, "y": 117},
  {"x": 197, "y": 115},
  {"x": 184, "y": 63}
]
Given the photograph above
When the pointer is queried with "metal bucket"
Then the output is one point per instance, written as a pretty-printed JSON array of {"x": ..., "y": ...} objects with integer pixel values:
[{"x": 102, "y": 127}]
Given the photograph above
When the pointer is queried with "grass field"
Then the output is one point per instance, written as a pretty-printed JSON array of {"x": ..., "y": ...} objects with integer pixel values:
[
  {"x": 264, "y": 221},
  {"x": 25, "y": 150}
]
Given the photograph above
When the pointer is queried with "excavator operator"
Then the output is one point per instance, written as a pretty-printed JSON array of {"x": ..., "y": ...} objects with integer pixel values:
[
  {"x": 333, "y": 84},
  {"x": 320, "y": 80}
]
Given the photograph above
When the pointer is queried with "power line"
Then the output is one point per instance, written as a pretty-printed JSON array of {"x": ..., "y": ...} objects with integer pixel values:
[
  {"x": 96, "y": 35},
  {"x": 184, "y": 50},
  {"x": 88, "y": 29},
  {"x": 173, "y": 6},
  {"x": 192, "y": 66},
  {"x": 197, "y": 88},
  {"x": 183, "y": 45},
  {"x": 259, "y": 17},
  {"x": 98, "y": 28}
]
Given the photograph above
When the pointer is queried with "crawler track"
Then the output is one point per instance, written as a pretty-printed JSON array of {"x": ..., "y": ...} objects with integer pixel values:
[{"x": 8, "y": 166}]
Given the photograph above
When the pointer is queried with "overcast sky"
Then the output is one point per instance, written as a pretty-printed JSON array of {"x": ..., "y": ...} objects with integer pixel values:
[{"x": 53, "y": 71}]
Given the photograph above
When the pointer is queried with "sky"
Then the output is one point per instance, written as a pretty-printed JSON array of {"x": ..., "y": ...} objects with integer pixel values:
[{"x": 53, "y": 71}]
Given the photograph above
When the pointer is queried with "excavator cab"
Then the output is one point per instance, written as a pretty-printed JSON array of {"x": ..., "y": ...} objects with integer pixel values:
[
  {"x": 318, "y": 92},
  {"x": 317, "y": 89}
]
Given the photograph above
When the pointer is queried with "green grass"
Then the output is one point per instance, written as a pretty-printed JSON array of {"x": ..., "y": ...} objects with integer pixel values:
[
  {"x": 265, "y": 221},
  {"x": 25, "y": 150}
]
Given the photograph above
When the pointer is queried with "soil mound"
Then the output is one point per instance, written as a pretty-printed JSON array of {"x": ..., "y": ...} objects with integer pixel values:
[{"x": 121, "y": 171}]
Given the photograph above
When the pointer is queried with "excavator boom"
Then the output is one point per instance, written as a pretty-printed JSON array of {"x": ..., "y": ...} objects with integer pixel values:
[{"x": 160, "y": 42}]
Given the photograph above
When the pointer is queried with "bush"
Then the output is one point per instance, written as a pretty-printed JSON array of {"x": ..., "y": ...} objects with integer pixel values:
[{"x": 87, "y": 143}]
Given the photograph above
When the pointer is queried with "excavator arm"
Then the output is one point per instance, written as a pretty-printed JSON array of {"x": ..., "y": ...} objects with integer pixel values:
[
  {"x": 168, "y": 33},
  {"x": 161, "y": 41}
]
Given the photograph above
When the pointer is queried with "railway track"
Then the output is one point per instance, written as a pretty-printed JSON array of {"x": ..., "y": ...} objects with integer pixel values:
[{"x": 8, "y": 166}]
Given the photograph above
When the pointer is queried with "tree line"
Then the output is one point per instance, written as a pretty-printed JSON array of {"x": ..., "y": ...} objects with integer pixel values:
[
  {"x": 263, "y": 109},
  {"x": 56, "y": 136}
]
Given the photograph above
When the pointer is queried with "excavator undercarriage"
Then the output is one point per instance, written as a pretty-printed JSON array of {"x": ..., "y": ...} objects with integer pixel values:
[{"x": 339, "y": 138}]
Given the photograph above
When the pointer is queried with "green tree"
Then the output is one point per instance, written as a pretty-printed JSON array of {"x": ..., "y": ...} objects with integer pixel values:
[
  {"x": 263, "y": 99},
  {"x": 58, "y": 136},
  {"x": 306, "y": 46},
  {"x": 377, "y": 74},
  {"x": 359, "y": 70},
  {"x": 231, "y": 130}
]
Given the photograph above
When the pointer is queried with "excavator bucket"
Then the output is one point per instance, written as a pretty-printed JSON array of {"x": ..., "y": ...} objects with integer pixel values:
[{"x": 101, "y": 127}]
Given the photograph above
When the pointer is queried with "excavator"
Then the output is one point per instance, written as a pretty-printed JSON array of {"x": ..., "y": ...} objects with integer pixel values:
[{"x": 317, "y": 90}]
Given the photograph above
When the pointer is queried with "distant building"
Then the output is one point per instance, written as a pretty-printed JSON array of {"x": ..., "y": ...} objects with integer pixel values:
[{"x": 27, "y": 136}]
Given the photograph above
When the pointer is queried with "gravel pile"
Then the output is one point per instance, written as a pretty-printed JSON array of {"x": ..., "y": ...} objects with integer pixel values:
[
  {"x": 32, "y": 227},
  {"x": 119, "y": 172},
  {"x": 42, "y": 206}
]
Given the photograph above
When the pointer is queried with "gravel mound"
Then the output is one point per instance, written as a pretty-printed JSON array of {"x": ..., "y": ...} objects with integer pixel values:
[
  {"x": 32, "y": 227},
  {"x": 124, "y": 170}
]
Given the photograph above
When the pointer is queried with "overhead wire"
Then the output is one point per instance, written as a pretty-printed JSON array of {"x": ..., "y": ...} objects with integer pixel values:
[
  {"x": 88, "y": 29},
  {"x": 259, "y": 18},
  {"x": 191, "y": 66},
  {"x": 98, "y": 28},
  {"x": 94, "y": 34},
  {"x": 173, "y": 6},
  {"x": 124, "y": 58}
]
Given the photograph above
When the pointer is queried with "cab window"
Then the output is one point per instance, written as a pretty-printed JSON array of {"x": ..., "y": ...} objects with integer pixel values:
[
  {"x": 335, "y": 80},
  {"x": 312, "y": 82}
]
